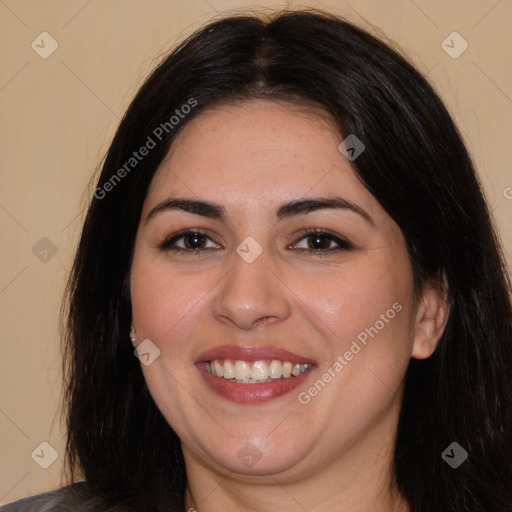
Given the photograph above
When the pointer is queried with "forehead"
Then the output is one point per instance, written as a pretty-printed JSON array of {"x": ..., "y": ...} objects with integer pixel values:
[{"x": 256, "y": 154}]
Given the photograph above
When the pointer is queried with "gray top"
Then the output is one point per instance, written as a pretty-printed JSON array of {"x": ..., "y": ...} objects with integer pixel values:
[{"x": 75, "y": 497}]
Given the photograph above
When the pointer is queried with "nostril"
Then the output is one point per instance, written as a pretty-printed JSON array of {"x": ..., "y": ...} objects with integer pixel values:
[{"x": 264, "y": 320}]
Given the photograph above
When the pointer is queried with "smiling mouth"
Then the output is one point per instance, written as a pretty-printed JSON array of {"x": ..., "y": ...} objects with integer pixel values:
[{"x": 255, "y": 372}]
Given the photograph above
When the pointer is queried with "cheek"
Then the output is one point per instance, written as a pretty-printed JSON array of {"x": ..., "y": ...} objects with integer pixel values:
[
  {"x": 364, "y": 312},
  {"x": 357, "y": 300},
  {"x": 164, "y": 301}
]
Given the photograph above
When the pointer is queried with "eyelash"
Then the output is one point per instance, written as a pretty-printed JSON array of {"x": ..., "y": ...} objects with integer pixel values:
[{"x": 343, "y": 245}]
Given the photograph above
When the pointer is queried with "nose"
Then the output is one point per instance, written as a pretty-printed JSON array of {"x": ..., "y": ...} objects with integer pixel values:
[{"x": 252, "y": 295}]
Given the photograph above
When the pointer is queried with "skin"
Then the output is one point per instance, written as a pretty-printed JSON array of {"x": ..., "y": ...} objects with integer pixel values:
[{"x": 335, "y": 452}]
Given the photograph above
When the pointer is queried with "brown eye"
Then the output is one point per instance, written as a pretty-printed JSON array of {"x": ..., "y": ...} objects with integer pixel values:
[
  {"x": 191, "y": 241},
  {"x": 321, "y": 241},
  {"x": 194, "y": 241}
]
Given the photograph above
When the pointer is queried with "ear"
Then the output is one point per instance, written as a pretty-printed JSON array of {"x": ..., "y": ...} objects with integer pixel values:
[{"x": 431, "y": 317}]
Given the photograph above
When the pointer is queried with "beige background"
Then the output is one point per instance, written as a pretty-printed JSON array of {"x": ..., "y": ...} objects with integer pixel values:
[{"x": 59, "y": 114}]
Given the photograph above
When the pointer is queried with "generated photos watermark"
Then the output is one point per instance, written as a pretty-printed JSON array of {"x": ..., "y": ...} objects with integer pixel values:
[
  {"x": 157, "y": 135},
  {"x": 305, "y": 397},
  {"x": 44, "y": 455},
  {"x": 351, "y": 147},
  {"x": 146, "y": 352},
  {"x": 454, "y": 455},
  {"x": 249, "y": 455}
]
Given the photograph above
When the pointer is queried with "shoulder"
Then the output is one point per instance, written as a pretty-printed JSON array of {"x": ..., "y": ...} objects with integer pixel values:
[{"x": 75, "y": 497}]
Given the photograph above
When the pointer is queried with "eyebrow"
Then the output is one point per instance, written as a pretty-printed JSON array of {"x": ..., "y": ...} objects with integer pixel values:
[{"x": 290, "y": 209}]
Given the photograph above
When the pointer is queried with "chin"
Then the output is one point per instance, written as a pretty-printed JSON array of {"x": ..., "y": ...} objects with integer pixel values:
[{"x": 248, "y": 459}]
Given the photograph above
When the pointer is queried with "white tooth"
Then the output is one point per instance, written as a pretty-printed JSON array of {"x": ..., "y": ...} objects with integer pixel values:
[
  {"x": 287, "y": 369},
  {"x": 296, "y": 369},
  {"x": 259, "y": 370},
  {"x": 242, "y": 370},
  {"x": 275, "y": 370},
  {"x": 304, "y": 367},
  {"x": 207, "y": 366},
  {"x": 229, "y": 370},
  {"x": 212, "y": 368},
  {"x": 218, "y": 368}
]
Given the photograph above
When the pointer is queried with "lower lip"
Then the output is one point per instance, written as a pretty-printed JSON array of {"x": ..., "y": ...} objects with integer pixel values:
[{"x": 251, "y": 393}]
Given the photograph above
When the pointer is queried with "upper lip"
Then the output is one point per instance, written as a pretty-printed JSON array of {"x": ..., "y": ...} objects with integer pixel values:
[{"x": 251, "y": 353}]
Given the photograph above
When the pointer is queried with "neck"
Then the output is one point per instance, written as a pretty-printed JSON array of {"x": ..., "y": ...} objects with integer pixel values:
[{"x": 269, "y": 495}]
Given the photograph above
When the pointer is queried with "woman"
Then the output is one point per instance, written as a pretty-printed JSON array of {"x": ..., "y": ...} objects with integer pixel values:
[{"x": 291, "y": 233}]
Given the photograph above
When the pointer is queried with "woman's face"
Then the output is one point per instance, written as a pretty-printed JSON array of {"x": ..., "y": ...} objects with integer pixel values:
[{"x": 260, "y": 287}]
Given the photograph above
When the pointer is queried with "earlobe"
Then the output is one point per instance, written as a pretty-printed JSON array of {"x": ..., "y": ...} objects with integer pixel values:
[{"x": 431, "y": 318}]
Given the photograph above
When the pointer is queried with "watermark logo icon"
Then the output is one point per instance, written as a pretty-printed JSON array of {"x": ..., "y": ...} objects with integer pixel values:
[
  {"x": 44, "y": 250},
  {"x": 454, "y": 455},
  {"x": 147, "y": 352},
  {"x": 454, "y": 45},
  {"x": 249, "y": 249},
  {"x": 44, "y": 45},
  {"x": 249, "y": 455},
  {"x": 45, "y": 455},
  {"x": 507, "y": 192},
  {"x": 352, "y": 147}
]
